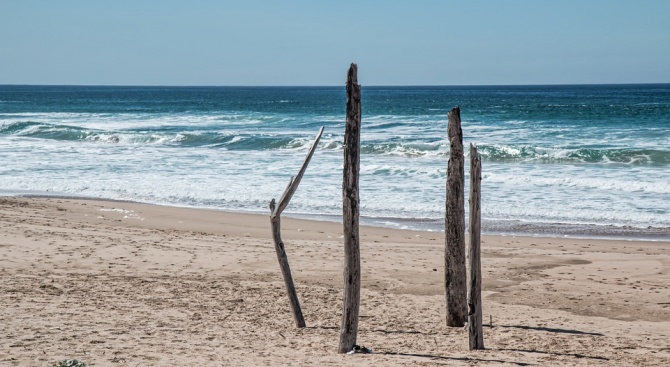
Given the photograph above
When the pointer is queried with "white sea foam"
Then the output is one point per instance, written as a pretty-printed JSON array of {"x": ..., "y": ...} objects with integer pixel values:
[
  {"x": 135, "y": 121},
  {"x": 581, "y": 180}
]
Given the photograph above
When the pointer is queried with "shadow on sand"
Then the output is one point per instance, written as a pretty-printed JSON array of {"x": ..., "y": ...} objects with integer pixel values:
[
  {"x": 462, "y": 359},
  {"x": 575, "y": 355},
  {"x": 468, "y": 359},
  {"x": 551, "y": 330}
]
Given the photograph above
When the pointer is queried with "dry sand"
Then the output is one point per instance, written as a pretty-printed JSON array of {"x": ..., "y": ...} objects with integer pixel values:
[{"x": 124, "y": 284}]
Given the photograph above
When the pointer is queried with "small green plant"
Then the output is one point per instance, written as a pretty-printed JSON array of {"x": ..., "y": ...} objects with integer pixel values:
[{"x": 69, "y": 363}]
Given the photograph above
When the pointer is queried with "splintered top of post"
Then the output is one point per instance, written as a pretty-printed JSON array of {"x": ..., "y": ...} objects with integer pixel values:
[
  {"x": 352, "y": 75},
  {"x": 353, "y": 98},
  {"x": 474, "y": 155},
  {"x": 454, "y": 130}
]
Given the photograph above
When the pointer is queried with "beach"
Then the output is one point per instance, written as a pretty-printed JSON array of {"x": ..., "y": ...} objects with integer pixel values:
[{"x": 116, "y": 283}]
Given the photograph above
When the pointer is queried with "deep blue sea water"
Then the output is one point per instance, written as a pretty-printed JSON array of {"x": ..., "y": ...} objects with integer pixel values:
[{"x": 590, "y": 161}]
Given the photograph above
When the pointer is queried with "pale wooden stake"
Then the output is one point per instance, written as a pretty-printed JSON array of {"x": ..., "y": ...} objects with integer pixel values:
[
  {"x": 275, "y": 221},
  {"x": 476, "y": 336},
  {"x": 350, "y": 202},
  {"x": 454, "y": 226}
]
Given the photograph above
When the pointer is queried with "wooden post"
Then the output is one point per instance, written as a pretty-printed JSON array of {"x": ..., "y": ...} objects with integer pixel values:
[
  {"x": 275, "y": 221},
  {"x": 350, "y": 200},
  {"x": 454, "y": 226},
  {"x": 475, "y": 333}
]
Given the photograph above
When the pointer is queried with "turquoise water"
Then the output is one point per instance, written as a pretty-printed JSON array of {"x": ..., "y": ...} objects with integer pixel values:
[{"x": 590, "y": 161}]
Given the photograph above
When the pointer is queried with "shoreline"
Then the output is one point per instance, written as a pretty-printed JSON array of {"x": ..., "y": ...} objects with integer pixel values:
[
  {"x": 125, "y": 283},
  {"x": 513, "y": 228}
]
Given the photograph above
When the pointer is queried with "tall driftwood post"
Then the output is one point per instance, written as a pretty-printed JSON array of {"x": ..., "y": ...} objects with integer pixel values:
[
  {"x": 454, "y": 226},
  {"x": 352, "y": 256},
  {"x": 275, "y": 221},
  {"x": 475, "y": 321}
]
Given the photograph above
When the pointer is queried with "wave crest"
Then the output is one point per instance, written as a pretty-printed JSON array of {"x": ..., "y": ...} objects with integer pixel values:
[{"x": 501, "y": 153}]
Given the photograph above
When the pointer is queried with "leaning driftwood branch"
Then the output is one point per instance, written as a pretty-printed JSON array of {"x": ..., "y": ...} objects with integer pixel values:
[{"x": 275, "y": 221}]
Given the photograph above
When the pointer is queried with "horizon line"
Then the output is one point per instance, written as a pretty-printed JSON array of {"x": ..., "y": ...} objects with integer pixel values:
[{"x": 321, "y": 86}]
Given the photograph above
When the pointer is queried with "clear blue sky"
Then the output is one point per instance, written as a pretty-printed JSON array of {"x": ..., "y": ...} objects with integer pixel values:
[{"x": 312, "y": 42}]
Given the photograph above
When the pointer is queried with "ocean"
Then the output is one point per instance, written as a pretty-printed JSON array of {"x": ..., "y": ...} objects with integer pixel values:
[{"x": 571, "y": 161}]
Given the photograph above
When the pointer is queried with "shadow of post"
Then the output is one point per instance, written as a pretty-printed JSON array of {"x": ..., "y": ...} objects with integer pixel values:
[
  {"x": 462, "y": 359},
  {"x": 551, "y": 330},
  {"x": 576, "y": 355}
]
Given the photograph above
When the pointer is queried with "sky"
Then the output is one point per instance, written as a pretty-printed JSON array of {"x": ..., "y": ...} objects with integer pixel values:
[{"x": 312, "y": 42}]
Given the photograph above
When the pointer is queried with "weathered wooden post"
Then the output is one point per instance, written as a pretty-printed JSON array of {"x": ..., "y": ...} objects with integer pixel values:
[
  {"x": 454, "y": 226},
  {"x": 352, "y": 256},
  {"x": 475, "y": 321},
  {"x": 275, "y": 221}
]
